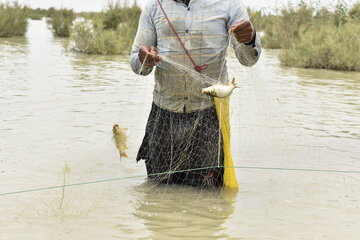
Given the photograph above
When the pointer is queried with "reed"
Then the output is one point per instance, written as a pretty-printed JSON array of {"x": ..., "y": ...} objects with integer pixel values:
[{"x": 13, "y": 19}]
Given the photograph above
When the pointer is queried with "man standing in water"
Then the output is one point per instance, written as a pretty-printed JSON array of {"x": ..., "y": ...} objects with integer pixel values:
[{"x": 182, "y": 132}]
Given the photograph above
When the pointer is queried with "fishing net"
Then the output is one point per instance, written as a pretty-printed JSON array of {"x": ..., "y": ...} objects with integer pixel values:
[
  {"x": 187, "y": 137},
  {"x": 277, "y": 145},
  {"x": 190, "y": 148}
]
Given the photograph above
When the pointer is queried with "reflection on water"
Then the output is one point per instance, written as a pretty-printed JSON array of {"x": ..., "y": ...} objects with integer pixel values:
[
  {"x": 9, "y": 67},
  {"x": 58, "y": 107},
  {"x": 183, "y": 211}
]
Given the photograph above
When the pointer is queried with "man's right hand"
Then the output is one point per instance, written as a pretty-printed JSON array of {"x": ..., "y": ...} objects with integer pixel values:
[{"x": 152, "y": 56}]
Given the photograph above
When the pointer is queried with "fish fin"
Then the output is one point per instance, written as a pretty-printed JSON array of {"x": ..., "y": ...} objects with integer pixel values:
[
  {"x": 125, "y": 129},
  {"x": 125, "y": 155},
  {"x": 233, "y": 81}
]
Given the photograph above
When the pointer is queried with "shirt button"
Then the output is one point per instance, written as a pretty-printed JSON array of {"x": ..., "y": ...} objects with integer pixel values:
[
  {"x": 187, "y": 31},
  {"x": 188, "y": 9}
]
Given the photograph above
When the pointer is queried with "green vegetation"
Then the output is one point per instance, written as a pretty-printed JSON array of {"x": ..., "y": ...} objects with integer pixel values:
[
  {"x": 110, "y": 32},
  {"x": 326, "y": 46},
  {"x": 37, "y": 14},
  {"x": 308, "y": 37},
  {"x": 13, "y": 20},
  {"x": 280, "y": 30},
  {"x": 312, "y": 38},
  {"x": 61, "y": 21}
]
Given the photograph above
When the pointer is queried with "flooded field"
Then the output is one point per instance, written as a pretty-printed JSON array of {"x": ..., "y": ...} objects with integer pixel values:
[{"x": 57, "y": 108}]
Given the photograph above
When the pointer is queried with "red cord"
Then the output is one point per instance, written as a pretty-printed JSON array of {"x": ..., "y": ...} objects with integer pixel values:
[{"x": 197, "y": 67}]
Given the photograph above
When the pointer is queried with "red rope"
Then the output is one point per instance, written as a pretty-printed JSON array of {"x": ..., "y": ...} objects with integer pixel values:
[{"x": 197, "y": 67}]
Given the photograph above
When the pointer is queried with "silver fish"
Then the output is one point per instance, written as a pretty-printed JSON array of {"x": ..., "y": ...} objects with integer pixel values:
[{"x": 220, "y": 90}]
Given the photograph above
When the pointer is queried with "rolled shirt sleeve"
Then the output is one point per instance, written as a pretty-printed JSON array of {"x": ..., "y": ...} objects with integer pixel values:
[
  {"x": 146, "y": 35},
  {"x": 247, "y": 55}
]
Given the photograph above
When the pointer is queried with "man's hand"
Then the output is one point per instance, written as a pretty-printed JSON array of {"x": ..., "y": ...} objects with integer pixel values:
[
  {"x": 152, "y": 56},
  {"x": 243, "y": 31}
]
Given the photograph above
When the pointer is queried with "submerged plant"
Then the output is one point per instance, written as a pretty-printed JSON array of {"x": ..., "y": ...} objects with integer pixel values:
[
  {"x": 111, "y": 32},
  {"x": 61, "y": 21},
  {"x": 83, "y": 36},
  {"x": 66, "y": 171}
]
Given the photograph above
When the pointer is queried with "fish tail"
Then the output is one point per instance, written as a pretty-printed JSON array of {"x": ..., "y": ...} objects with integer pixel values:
[{"x": 234, "y": 83}]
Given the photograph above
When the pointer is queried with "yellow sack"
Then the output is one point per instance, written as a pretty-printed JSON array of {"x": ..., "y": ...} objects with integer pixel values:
[{"x": 222, "y": 109}]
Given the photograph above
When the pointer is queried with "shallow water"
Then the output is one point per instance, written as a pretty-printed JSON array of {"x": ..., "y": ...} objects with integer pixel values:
[{"x": 58, "y": 108}]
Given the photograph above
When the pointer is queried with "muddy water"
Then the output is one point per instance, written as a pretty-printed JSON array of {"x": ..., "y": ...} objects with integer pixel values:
[{"x": 57, "y": 108}]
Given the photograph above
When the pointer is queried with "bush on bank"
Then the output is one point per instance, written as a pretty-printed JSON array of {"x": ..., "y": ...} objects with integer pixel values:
[
  {"x": 13, "y": 20},
  {"x": 326, "y": 47}
]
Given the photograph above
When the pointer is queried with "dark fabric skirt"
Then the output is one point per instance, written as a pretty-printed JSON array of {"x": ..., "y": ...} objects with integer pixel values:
[{"x": 181, "y": 142}]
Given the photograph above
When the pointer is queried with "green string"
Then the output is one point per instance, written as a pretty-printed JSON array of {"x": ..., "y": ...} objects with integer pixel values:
[{"x": 179, "y": 171}]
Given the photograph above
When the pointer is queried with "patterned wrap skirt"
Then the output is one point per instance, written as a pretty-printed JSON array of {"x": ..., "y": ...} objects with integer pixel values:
[{"x": 183, "y": 148}]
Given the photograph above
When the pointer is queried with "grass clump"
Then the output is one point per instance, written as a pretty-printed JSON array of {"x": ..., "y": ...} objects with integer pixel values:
[
  {"x": 327, "y": 47},
  {"x": 61, "y": 21},
  {"x": 13, "y": 19},
  {"x": 333, "y": 42},
  {"x": 111, "y": 32},
  {"x": 311, "y": 38},
  {"x": 91, "y": 38}
]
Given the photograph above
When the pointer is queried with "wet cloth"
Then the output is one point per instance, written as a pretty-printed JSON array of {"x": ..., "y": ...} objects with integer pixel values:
[
  {"x": 203, "y": 28},
  {"x": 183, "y": 141}
]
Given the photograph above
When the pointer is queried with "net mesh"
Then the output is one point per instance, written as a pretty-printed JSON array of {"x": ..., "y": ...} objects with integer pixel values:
[
  {"x": 182, "y": 141},
  {"x": 186, "y": 148},
  {"x": 263, "y": 136}
]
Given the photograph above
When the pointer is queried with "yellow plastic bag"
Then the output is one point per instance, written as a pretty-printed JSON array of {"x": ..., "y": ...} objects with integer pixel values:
[{"x": 222, "y": 109}]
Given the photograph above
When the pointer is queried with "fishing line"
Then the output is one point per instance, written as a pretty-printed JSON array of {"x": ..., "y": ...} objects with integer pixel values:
[
  {"x": 143, "y": 64},
  {"x": 180, "y": 171}
]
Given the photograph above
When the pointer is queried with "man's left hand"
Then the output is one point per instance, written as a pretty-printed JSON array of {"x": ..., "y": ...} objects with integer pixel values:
[{"x": 243, "y": 31}]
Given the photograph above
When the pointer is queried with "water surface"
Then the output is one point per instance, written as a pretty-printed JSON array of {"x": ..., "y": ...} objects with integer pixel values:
[{"x": 58, "y": 107}]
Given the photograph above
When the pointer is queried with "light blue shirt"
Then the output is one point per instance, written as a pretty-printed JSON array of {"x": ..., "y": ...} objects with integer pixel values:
[{"x": 203, "y": 28}]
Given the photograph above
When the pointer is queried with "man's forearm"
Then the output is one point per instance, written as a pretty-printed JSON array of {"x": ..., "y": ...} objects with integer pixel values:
[{"x": 136, "y": 65}]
